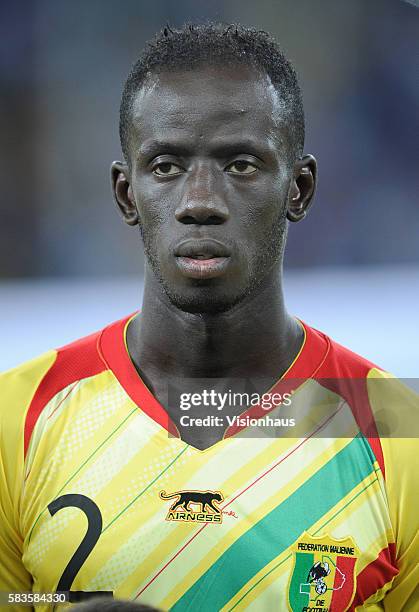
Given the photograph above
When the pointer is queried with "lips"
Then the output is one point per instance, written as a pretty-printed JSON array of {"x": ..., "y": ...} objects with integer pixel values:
[
  {"x": 201, "y": 249},
  {"x": 202, "y": 258}
]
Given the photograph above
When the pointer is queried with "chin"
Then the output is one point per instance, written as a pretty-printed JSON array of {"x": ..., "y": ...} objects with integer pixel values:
[
  {"x": 205, "y": 296},
  {"x": 203, "y": 300}
]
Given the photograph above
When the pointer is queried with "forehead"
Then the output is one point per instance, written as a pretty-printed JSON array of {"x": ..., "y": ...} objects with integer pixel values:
[{"x": 206, "y": 103}]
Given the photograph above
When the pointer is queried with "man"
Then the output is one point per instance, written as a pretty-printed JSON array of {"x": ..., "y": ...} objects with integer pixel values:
[{"x": 130, "y": 467}]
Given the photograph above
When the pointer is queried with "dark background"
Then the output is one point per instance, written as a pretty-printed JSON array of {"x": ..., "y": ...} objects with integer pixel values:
[
  {"x": 63, "y": 64},
  {"x": 68, "y": 264}
]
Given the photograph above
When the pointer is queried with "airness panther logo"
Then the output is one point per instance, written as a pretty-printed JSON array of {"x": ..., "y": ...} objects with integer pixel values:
[{"x": 194, "y": 506}]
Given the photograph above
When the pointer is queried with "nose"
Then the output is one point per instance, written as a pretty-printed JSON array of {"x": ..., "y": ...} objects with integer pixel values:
[{"x": 202, "y": 203}]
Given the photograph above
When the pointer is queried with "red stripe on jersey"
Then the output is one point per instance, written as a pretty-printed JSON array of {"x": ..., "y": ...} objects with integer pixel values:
[
  {"x": 313, "y": 353},
  {"x": 73, "y": 362},
  {"x": 115, "y": 353},
  {"x": 345, "y": 373},
  {"x": 375, "y": 575}
]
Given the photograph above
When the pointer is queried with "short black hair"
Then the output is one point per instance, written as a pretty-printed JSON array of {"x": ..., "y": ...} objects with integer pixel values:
[{"x": 192, "y": 45}]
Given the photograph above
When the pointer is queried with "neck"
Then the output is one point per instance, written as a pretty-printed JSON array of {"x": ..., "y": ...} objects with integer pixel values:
[{"x": 256, "y": 338}]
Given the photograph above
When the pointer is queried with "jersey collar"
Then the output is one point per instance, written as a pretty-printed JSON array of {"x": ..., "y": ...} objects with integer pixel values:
[{"x": 113, "y": 348}]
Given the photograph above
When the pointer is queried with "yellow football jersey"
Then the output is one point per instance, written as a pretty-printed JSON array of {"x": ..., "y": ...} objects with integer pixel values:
[{"x": 100, "y": 494}]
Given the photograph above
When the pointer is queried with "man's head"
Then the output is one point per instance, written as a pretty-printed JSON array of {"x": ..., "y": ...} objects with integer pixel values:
[
  {"x": 196, "y": 46},
  {"x": 212, "y": 131}
]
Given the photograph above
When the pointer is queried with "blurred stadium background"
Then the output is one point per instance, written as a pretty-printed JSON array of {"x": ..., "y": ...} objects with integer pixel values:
[{"x": 68, "y": 265}]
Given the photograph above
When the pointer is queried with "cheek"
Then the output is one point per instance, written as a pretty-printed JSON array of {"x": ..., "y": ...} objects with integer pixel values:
[
  {"x": 266, "y": 197},
  {"x": 264, "y": 211},
  {"x": 153, "y": 211}
]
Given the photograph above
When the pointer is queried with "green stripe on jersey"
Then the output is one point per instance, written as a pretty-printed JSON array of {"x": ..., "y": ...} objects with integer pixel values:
[{"x": 260, "y": 544}]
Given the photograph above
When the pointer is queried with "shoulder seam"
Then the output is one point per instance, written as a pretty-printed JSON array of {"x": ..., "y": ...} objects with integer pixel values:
[{"x": 73, "y": 363}]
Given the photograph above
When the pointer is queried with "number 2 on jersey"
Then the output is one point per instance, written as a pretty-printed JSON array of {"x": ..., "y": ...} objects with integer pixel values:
[{"x": 94, "y": 529}]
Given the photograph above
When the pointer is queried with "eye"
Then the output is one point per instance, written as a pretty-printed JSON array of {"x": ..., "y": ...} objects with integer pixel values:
[
  {"x": 241, "y": 166},
  {"x": 167, "y": 169}
]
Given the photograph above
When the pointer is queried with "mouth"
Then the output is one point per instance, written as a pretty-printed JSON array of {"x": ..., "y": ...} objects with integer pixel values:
[{"x": 202, "y": 258}]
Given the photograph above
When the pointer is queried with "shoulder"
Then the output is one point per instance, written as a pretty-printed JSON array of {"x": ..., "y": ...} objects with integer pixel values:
[
  {"x": 358, "y": 380},
  {"x": 385, "y": 407},
  {"x": 26, "y": 389},
  {"x": 18, "y": 386},
  {"x": 387, "y": 412},
  {"x": 50, "y": 371},
  {"x": 340, "y": 361},
  {"x": 363, "y": 382}
]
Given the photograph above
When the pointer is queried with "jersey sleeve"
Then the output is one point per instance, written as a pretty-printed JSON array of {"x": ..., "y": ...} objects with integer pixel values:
[
  {"x": 17, "y": 388},
  {"x": 396, "y": 409}
]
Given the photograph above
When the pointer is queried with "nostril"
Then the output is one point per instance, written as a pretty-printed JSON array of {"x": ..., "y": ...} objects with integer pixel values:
[
  {"x": 214, "y": 220},
  {"x": 187, "y": 220},
  {"x": 211, "y": 220},
  {"x": 197, "y": 212}
]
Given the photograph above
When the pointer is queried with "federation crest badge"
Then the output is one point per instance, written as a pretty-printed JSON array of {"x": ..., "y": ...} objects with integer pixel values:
[{"x": 323, "y": 577}]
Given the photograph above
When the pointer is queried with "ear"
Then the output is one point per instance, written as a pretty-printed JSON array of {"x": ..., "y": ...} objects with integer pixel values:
[
  {"x": 122, "y": 193},
  {"x": 302, "y": 188}
]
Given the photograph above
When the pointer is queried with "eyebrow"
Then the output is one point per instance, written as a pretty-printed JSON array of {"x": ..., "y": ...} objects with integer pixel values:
[
  {"x": 151, "y": 148},
  {"x": 220, "y": 148}
]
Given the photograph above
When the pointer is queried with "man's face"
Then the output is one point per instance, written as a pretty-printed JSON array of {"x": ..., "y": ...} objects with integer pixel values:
[{"x": 210, "y": 175}]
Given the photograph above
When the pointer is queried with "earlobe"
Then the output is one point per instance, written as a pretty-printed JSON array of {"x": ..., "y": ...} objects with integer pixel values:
[
  {"x": 302, "y": 188},
  {"x": 122, "y": 192}
]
